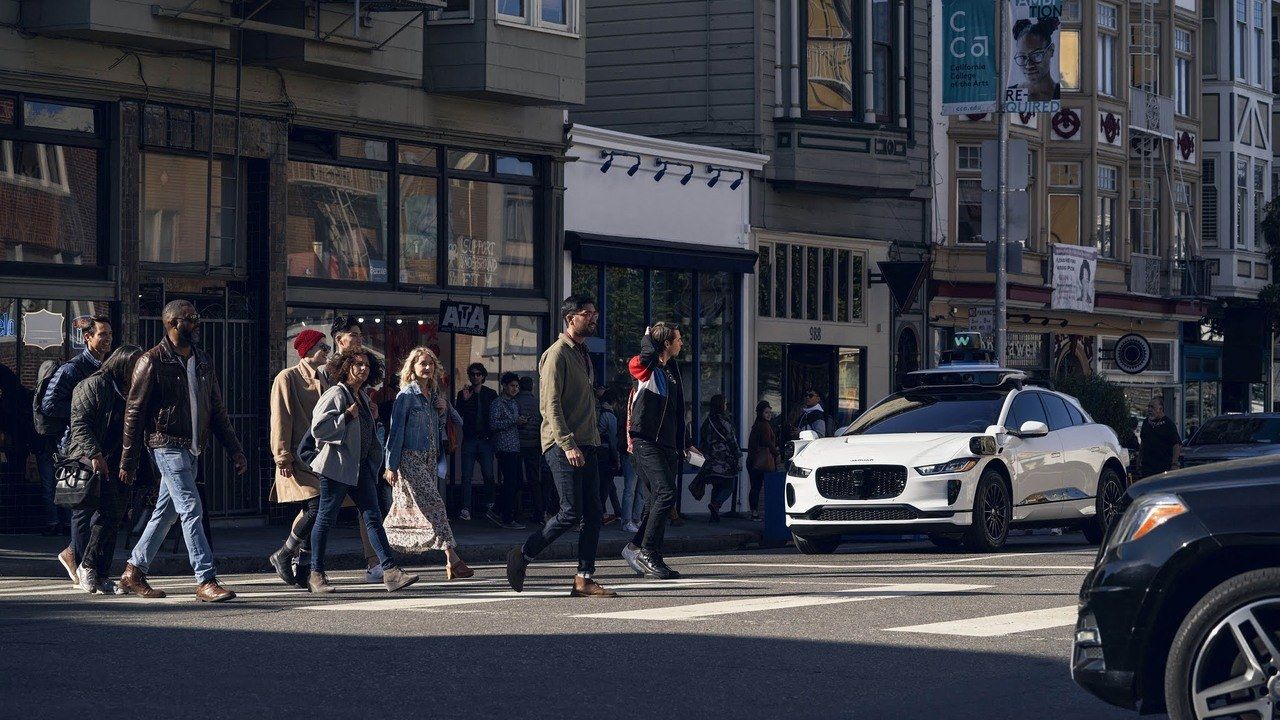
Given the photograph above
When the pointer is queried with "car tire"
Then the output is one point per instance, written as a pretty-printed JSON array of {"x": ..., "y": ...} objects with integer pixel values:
[
  {"x": 946, "y": 542},
  {"x": 1196, "y": 647},
  {"x": 816, "y": 546},
  {"x": 992, "y": 513},
  {"x": 1110, "y": 493}
]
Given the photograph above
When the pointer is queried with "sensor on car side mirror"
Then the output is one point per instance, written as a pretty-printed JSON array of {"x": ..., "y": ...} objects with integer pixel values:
[{"x": 808, "y": 435}]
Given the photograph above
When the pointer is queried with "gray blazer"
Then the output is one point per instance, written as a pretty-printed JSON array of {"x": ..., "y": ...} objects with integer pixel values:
[{"x": 337, "y": 439}]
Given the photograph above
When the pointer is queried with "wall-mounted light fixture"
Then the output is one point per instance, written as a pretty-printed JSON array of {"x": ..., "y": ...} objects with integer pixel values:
[
  {"x": 664, "y": 164},
  {"x": 719, "y": 171},
  {"x": 609, "y": 155}
]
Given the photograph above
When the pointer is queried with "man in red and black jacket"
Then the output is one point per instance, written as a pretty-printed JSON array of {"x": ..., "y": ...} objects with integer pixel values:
[{"x": 656, "y": 429}]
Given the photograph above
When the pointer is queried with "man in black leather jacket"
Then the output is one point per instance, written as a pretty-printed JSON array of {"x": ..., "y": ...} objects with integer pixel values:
[{"x": 174, "y": 403}]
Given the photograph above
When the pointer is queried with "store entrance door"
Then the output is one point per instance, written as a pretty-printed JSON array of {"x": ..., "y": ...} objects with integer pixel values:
[{"x": 787, "y": 372}]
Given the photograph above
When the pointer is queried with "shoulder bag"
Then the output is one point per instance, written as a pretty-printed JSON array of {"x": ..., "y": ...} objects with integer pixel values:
[{"x": 76, "y": 486}]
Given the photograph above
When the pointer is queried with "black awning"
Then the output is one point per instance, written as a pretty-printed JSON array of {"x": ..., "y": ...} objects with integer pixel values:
[{"x": 643, "y": 252}]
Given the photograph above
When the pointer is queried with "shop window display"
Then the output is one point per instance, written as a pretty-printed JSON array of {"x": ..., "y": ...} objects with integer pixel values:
[{"x": 337, "y": 226}]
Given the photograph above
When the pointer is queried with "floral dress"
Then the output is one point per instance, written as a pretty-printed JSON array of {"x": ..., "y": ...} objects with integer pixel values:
[{"x": 418, "y": 521}]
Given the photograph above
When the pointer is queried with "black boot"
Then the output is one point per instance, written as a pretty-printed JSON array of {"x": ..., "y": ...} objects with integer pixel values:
[{"x": 282, "y": 561}]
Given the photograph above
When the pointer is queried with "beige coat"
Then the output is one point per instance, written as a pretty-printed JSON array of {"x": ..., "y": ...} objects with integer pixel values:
[{"x": 294, "y": 395}]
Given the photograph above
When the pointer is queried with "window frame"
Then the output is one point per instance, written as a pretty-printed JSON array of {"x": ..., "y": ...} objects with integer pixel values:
[
  {"x": 780, "y": 278},
  {"x": 1109, "y": 40},
  {"x": 532, "y": 17},
  {"x": 443, "y": 174},
  {"x": 240, "y": 268},
  {"x": 1109, "y": 195},
  {"x": 105, "y": 213},
  {"x": 900, "y": 47},
  {"x": 1209, "y": 202}
]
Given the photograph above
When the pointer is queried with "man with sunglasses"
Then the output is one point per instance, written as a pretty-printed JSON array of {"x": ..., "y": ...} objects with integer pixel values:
[
  {"x": 174, "y": 403},
  {"x": 294, "y": 395},
  {"x": 473, "y": 403},
  {"x": 814, "y": 417}
]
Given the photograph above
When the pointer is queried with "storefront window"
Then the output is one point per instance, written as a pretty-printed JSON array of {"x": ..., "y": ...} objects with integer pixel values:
[
  {"x": 718, "y": 352},
  {"x": 419, "y": 229},
  {"x": 850, "y": 373},
  {"x": 337, "y": 227},
  {"x": 175, "y": 212},
  {"x": 512, "y": 344},
  {"x": 48, "y": 203},
  {"x": 623, "y": 322},
  {"x": 491, "y": 234}
]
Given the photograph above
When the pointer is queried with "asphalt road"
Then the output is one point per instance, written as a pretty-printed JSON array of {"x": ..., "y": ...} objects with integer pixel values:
[{"x": 886, "y": 631}]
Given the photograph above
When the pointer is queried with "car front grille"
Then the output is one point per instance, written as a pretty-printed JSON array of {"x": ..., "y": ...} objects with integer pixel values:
[
  {"x": 862, "y": 482},
  {"x": 882, "y": 514}
]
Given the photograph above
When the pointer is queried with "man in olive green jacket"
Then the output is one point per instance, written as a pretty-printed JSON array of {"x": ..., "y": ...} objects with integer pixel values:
[{"x": 569, "y": 440}]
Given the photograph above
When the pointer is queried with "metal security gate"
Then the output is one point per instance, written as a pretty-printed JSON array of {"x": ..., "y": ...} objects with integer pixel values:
[{"x": 227, "y": 332}]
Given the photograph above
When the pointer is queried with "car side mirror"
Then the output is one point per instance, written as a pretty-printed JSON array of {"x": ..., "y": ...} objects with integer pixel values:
[
  {"x": 808, "y": 435},
  {"x": 1033, "y": 429}
]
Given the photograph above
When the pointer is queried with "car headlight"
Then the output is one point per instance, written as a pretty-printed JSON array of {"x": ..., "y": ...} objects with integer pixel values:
[
  {"x": 951, "y": 466},
  {"x": 1145, "y": 515},
  {"x": 799, "y": 472}
]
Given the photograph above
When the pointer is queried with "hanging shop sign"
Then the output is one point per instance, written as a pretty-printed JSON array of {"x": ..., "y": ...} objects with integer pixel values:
[
  {"x": 969, "y": 60},
  {"x": 42, "y": 329},
  {"x": 1033, "y": 80},
  {"x": 464, "y": 318},
  {"x": 1133, "y": 353},
  {"x": 1074, "y": 269}
]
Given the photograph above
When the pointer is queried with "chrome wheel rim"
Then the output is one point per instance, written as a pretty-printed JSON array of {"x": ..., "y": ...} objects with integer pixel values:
[
  {"x": 1236, "y": 674},
  {"x": 993, "y": 515}
]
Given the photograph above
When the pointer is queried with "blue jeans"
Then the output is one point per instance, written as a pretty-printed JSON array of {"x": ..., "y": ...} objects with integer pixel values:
[
  {"x": 365, "y": 495},
  {"x": 179, "y": 498},
  {"x": 474, "y": 450},
  {"x": 632, "y": 493},
  {"x": 53, "y": 514},
  {"x": 579, "y": 490}
]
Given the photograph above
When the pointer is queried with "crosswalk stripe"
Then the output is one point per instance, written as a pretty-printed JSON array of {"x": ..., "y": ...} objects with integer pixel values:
[
  {"x": 783, "y": 602},
  {"x": 413, "y": 602},
  {"x": 998, "y": 625}
]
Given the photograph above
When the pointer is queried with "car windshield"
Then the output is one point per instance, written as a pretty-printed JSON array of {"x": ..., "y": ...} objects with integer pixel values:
[
  {"x": 1238, "y": 430},
  {"x": 922, "y": 411}
]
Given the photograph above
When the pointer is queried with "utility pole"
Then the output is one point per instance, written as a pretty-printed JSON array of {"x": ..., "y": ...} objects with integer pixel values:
[{"x": 1002, "y": 197}]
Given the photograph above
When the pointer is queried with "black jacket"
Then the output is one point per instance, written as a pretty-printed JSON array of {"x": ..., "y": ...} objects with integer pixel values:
[
  {"x": 475, "y": 414},
  {"x": 158, "y": 412},
  {"x": 656, "y": 400},
  {"x": 55, "y": 406},
  {"x": 97, "y": 420}
]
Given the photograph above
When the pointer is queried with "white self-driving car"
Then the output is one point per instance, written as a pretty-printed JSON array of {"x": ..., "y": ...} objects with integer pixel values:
[{"x": 964, "y": 453}]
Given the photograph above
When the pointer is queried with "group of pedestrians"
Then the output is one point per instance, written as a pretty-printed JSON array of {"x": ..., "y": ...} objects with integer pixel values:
[{"x": 330, "y": 447}]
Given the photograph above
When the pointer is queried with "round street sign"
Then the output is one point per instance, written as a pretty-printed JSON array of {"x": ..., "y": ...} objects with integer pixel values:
[{"x": 1133, "y": 353}]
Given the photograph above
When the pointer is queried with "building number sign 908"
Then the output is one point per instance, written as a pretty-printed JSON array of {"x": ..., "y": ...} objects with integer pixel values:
[{"x": 815, "y": 332}]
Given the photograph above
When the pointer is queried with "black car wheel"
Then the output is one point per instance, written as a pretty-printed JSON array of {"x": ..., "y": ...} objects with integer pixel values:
[
  {"x": 1224, "y": 662},
  {"x": 816, "y": 546},
  {"x": 992, "y": 513},
  {"x": 1110, "y": 493}
]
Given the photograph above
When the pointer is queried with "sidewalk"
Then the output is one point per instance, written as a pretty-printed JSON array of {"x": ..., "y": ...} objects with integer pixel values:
[{"x": 245, "y": 550}]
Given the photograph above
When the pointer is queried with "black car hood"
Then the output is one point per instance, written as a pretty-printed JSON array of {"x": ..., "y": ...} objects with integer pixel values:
[{"x": 1264, "y": 470}]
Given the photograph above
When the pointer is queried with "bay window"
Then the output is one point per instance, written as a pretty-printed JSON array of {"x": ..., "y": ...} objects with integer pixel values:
[{"x": 853, "y": 57}]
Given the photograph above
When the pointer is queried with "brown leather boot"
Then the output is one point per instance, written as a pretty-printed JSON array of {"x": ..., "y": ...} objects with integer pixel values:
[
  {"x": 134, "y": 581},
  {"x": 318, "y": 582},
  {"x": 586, "y": 587},
  {"x": 211, "y": 591}
]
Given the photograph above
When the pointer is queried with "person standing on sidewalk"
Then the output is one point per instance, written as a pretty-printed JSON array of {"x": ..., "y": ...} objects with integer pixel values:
[
  {"x": 504, "y": 420},
  {"x": 294, "y": 395},
  {"x": 96, "y": 434},
  {"x": 762, "y": 453},
  {"x": 531, "y": 449},
  {"x": 418, "y": 521},
  {"x": 656, "y": 426},
  {"x": 723, "y": 458},
  {"x": 174, "y": 403},
  {"x": 52, "y": 416},
  {"x": 567, "y": 400},
  {"x": 473, "y": 403},
  {"x": 347, "y": 463},
  {"x": 607, "y": 462}
]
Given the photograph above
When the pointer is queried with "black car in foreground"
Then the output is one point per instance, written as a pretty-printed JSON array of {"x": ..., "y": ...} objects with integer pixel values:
[{"x": 1181, "y": 612}]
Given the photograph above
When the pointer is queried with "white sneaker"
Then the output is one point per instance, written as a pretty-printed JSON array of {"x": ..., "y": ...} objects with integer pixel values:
[
  {"x": 87, "y": 580},
  {"x": 464, "y": 514},
  {"x": 631, "y": 527}
]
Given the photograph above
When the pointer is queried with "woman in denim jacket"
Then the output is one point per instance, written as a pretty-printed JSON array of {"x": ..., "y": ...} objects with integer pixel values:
[{"x": 418, "y": 521}]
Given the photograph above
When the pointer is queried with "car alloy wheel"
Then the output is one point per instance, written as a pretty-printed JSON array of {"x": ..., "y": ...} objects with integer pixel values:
[
  {"x": 1236, "y": 673},
  {"x": 992, "y": 509},
  {"x": 1112, "y": 494}
]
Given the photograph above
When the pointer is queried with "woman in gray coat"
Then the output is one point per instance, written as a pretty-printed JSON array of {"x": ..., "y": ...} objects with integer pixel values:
[
  {"x": 347, "y": 463},
  {"x": 96, "y": 434}
]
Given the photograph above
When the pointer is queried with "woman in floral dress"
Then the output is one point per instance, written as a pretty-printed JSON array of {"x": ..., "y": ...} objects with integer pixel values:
[{"x": 417, "y": 521}]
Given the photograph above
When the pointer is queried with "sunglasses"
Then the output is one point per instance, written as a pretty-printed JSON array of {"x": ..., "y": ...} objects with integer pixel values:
[{"x": 189, "y": 318}]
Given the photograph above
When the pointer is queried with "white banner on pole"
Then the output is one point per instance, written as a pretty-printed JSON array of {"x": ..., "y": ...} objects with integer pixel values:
[
  {"x": 1074, "y": 270},
  {"x": 1033, "y": 78}
]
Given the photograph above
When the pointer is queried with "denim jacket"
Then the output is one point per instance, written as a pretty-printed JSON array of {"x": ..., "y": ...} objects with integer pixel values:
[{"x": 415, "y": 424}]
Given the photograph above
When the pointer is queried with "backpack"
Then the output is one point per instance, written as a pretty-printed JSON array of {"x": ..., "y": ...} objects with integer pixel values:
[{"x": 46, "y": 427}]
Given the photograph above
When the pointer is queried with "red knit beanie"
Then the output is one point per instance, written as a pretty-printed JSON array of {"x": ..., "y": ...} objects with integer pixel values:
[{"x": 306, "y": 342}]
